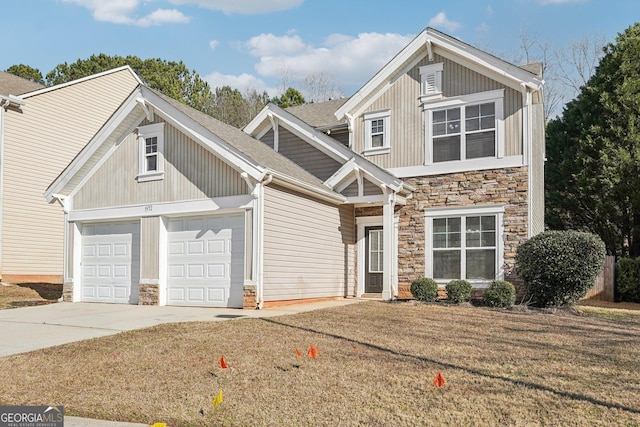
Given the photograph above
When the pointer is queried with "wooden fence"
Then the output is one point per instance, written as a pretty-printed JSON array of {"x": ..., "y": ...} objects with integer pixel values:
[{"x": 602, "y": 289}]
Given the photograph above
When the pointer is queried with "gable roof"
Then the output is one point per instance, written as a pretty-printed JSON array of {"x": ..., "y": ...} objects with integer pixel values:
[
  {"x": 232, "y": 145},
  {"x": 41, "y": 90},
  {"x": 324, "y": 143},
  {"x": 320, "y": 115},
  {"x": 14, "y": 85},
  {"x": 425, "y": 44}
]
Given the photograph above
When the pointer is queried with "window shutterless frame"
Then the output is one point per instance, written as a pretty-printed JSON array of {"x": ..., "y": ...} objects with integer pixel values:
[{"x": 151, "y": 152}]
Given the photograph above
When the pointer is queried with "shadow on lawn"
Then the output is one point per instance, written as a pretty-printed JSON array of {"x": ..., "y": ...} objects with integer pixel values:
[{"x": 574, "y": 396}]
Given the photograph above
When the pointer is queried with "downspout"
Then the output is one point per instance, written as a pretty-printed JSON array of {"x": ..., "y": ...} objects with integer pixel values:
[
  {"x": 528, "y": 151},
  {"x": 4, "y": 103},
  {"x": 258, "y": 233}
]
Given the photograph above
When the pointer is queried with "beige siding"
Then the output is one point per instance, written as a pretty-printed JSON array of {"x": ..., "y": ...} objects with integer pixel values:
[
  {"x": 149, "y": 247},
  {"x": 341, "y": 136},
  {"x": 537, "y": 171},
  {"x": 191, "y": 172},
  {"x": 305, "y": 155},
  {"x": 370, "y": 189},
  {"x": 38, "y": 145},
  {"x": 306, "y": 249},
  {"x": 407, "y": 117}
]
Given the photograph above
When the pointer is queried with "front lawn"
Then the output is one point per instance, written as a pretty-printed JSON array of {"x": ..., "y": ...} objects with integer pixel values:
[{"x": 376, "y": 367}]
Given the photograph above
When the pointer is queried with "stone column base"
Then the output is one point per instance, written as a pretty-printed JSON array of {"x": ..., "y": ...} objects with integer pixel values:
[
  {"x": 67, "y": 291},
  {"x": 148, "y": 294},
  {"x": 250, "y": 293}
]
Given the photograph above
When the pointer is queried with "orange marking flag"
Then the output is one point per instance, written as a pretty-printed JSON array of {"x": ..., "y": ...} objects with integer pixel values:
[
  {"x": 222, "y": 362},
  {"x": 439, "y": 380},
  {"x": 313, "y": 352},
  {"x": 217, "y": 400},
  {"x": 298, "y": 352}
]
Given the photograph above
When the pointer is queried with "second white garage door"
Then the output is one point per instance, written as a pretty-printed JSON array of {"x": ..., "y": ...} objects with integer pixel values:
[{"x": 206, "y": 261}]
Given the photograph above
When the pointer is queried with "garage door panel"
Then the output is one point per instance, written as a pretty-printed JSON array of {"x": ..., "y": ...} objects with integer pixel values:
[
  {"x": 111, "y": 262},
  {"x": 201, "y": 261}
]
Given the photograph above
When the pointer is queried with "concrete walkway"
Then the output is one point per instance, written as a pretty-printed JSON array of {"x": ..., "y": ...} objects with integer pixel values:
[{"x": 32, "y": 328}]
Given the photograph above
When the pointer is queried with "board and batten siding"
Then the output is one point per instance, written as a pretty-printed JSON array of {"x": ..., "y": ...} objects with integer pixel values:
[
  {"x": 407, "y": 122},
  {"x": 303, "y": 154},
  {"x": 191, "y": 172},
  {"x": 149, "y": 248},
  {"x": 308, "y": 247},
  {"x": 38, "y": 144}
]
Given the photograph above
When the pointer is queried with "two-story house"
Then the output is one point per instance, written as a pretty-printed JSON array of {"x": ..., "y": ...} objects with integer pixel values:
[
  {"x": 433, "y": 168},
  {"x": 41, "y": 130}
]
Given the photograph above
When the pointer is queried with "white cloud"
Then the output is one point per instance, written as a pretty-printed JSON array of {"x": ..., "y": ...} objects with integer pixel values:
[
  {"x": 270, "y": 45},
  {"x": 121, "y": 11},
  {"x": 484, "y": 28},
  {"x": 489, "y": 10},
  {"x": 214, "y": 44},
  {"x": 351, "y": 60},
  {"x": 163, "y": 16},
  {"x": 245, "y": 7},
  {"x": 244, "y": 82},
  {"x": 441, "y": 21}
]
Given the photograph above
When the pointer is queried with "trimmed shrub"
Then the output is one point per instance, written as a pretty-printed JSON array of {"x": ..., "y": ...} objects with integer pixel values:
[
  {"x": 499, "y": 294},
  {"x": 424, "y": 289},
  {"x": 559, "y": 267},
  {"x": 627, "y": 286},
  {"x": 458, "y": 291}
]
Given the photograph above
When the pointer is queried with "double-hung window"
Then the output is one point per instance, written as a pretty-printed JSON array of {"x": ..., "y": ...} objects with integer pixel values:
[
  {"x": 377, "y": 132},
  {"x": 465, "y": 128},
  {"x": 150, "y": 152},
  {"x": 464, "y": 244}
]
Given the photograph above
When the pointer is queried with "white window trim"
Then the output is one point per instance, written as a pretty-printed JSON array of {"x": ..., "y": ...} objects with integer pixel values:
[
  {"x": 386, "y": 148},
  {"x": 431, "y": 214},
  {"x": 144, "y": 132},
  {"x": 496, "y": 96},
  {"x": 434, "y": 70}
]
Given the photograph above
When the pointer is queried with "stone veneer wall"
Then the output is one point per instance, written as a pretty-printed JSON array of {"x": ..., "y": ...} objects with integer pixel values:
[
  {"x": 508, "y": 187},
  {"x": 149, "y": 294}
]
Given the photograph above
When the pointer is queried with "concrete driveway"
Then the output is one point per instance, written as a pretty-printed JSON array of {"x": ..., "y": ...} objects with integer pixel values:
[{"x": 32, "y": 328}]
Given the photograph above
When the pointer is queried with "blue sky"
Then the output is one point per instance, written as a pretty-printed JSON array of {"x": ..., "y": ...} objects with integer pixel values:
[{"x": 259, "y": 43}]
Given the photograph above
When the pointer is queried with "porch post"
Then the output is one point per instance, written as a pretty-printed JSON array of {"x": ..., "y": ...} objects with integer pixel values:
[{"x": 388, "y": 250}]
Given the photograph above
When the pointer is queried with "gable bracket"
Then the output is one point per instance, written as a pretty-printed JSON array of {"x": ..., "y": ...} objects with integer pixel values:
[
  {"x": 148, "y": 109},
  {"x": 429, "y": 50}
]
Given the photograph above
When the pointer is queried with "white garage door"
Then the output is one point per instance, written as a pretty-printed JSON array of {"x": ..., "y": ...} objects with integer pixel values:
[
  {"x": 111, "y": 262},
  {"x": 206, "y": 261}
]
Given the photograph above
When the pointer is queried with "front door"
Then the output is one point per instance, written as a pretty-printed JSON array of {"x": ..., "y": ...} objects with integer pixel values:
[{"x": 373, "y": 260}]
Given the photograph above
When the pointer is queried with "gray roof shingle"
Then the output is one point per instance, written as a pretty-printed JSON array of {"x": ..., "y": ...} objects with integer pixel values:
[
  {"x": 319, "y": 115},
  {"x": 257, "y": 151},
  {"x": 14, "y": 85}
]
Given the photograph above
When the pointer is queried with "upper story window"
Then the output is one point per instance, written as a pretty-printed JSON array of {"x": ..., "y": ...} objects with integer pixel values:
[
  {"x": 431, "y": 81},
  {"x": 377, "y": 135},
  {"x": 465, "y": 128},
  {"x": 151, "y": 148}
]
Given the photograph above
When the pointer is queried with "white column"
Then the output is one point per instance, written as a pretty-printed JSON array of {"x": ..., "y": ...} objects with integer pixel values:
[{"x": 388, "y": 238}]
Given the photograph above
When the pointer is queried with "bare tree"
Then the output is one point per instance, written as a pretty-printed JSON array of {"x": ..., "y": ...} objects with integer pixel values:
[
  {"x": 578, "y": 62},
  {"x": 321, "y": 86}
]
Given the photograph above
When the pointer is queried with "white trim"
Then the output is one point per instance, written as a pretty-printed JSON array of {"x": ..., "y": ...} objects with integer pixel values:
[
  {"x": 163, "y": 260},
  {"x": 458, "y": 166},
  {"x": 363, "y": 201},
  {"x": 96, "y": 142},
  {"x": 426, "y": 71},
  {"x": 155, "y": 130},
  {"x": 460, "y": 52},
  {"x": 368, "y": 118},
  {"x": 361, "y": 223},
  {"x": 164, "y": 209},
  {"x": 81, "y": 80},
  {"x": 77, "y": 263},
  {"x": 431, "y": 214},
  {"x": 495, "y": 96}
]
